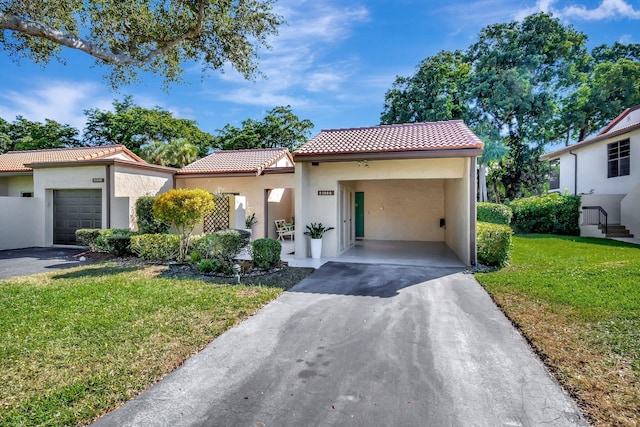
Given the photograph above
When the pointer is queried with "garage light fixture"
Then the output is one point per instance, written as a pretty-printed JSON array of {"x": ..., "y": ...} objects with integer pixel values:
[{"x": 364, "y": 163}]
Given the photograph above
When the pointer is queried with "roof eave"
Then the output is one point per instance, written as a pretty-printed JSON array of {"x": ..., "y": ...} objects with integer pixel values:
[
  {"x": 100, "y": 162},
  {"x": 387, "y": 155},
  {"x": 599, "y": 138},
  {"x": 180, "y": 175}
]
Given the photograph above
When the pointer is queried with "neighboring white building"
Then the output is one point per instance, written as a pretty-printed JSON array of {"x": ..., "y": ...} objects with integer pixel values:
[
  {"x": 45, "y": 195},
  {"x": 605, "y": 171}
]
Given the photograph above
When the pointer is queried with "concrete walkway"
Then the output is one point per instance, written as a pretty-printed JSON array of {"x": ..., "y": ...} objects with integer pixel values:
[{"x": 363, "y": 345}]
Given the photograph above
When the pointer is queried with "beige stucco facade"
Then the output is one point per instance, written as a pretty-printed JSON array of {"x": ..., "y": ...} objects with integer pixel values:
[
  {"x": 404, "y": 200},
  {"x": 256, "y": 190}
]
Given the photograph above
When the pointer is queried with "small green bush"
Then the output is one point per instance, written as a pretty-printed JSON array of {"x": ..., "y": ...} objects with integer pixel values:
[
  {"x": 494, "y": 213},
  {"x": 115, "y": 241},
  {"x": 550, "y": 213},
  {"x": 266, "y": 253},
  {"x": 494, "y": 243},
  {"x": 156, "y": 247},
  {"x": 87, "y": 237},
  {"x": 210, "y": 266},
  {"x": 223, "y": 244},
  {"x": 147, "y": 223}
]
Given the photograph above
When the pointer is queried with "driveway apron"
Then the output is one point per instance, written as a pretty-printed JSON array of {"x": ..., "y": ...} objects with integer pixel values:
[{"x": 363, "y": 345}]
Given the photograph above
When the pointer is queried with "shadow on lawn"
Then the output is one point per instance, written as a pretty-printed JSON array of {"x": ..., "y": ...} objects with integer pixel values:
[
  {"x": 577, "y": 239},
  {"x": 97, "y": 271}
]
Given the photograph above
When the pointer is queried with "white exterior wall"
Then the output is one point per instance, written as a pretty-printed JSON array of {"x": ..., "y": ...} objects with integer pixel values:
[
  {"x": 21, "y": 222},
  {"x": 72, "y": 178},
  {"x": 609, "y": 202},
  {"x": 592, "y": 168},
  {"x": 630, "y": 211},
  {"x": 128, "y": 185},
  {"x": 251, "y": 187},
  {"x": 310, "y": 207},
  {"x": 458, "y": 215},
  {"x": 14, "y": 186}
]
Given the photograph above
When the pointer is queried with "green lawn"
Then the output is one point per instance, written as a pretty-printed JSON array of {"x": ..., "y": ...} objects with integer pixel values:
[
  {"x": 77, "y": 343},
  {"x": 578, "y": 301}
]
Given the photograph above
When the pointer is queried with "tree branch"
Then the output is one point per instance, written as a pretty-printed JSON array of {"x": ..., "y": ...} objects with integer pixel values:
[{"x": 36, "y": 29}]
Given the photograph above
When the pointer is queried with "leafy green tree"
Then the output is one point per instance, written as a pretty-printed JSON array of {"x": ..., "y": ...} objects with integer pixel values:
[
  {"x": 183, "y": 208},
  {"x": 607, "y": 84},
  {"x": 135, "y": 126},
  {"x": 279, "y": 128},
  {"x": 494, "y": 151},
  {"x": 130, "y": 36},
  {"x": 522, "y": 83},
  {"x": 436, "y": 92},
  {"x": 23, "y": 134}
]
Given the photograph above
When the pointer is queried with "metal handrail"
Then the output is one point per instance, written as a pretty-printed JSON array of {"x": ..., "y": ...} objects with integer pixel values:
[{"x": 595, "y": 215}]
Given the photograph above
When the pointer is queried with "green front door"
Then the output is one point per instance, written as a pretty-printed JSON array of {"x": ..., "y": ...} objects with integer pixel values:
[{"x": 359, "y": 214}]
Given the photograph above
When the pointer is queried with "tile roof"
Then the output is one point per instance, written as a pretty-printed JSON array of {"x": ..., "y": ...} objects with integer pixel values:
[
  {"x": 237, "y": 161},
  {"x": 450, "y": 135},
  {"x": 15, "y": 161}
]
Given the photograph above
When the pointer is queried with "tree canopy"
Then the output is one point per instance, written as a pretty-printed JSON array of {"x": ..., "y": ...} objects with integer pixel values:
[
  {"x": 23, "y": 134},
  {"x": 130, "y": 36},
  {"x": 279, "y": 128},
  {"x": 526, "y": 84},
  {"x": 137, "y": 127}
]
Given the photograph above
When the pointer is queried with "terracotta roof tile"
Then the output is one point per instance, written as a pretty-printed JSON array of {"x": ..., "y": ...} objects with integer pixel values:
[
  {"x": 237, "y": 161},
  {"x": 15, "y": 161},
  {"x": 450, "y": 135}
]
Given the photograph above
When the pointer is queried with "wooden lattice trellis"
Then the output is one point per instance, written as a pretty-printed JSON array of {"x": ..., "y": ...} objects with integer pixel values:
[{"x": 219, "y": 218}]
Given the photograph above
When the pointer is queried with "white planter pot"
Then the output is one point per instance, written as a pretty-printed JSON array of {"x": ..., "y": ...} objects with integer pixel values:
[
  {"x": 250, "y": 230},
  {"x": 316, "y": 248}
]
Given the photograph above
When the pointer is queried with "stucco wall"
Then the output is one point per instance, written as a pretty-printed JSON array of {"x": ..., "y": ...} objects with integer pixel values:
[
  {"x": 609, "y": 202},
  {"x": 252, "y": 187},
  {"x": 129, "y": 185},
  {"x": 630, "y": 211},
  {"x": 592, "y": 168},
  {"x": 284, "y": 209},
  {"x": 79, "y": 177},
  {"x": 403, "y": 209},
  {"x": 327, "y": 176},
  {"x": 14, "y": 186},
  {"x": 457, "y": 217},
  {"x": 21, "y": 222}
]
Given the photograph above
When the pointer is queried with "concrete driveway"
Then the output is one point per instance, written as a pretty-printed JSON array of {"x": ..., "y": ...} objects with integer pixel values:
[
  {"x": 363, "y": 345},
  {"x": 24, "y": 262}
]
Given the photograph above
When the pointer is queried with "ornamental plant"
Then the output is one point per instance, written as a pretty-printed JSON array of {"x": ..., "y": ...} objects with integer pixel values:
[
  {"x": 316, "y": 230},
  {"x": 183, "y": 208}
]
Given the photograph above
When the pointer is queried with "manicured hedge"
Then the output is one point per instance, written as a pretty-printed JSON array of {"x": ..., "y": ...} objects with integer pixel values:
[
  {"x": 156, "y": 247},
  {"x": 551, "y": 213},
  {"x": 115, "y": 241},
  {"x": 494, "y": 213},
  {"x": 266, "y": 253},
  {"x": 147, "y": 223},
  {"x": 494, "y": 243}
]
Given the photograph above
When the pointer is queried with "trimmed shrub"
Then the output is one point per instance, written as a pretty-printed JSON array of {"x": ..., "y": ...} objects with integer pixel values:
[
  {"x": 224, "y": 244},
  {"x": 87, "y": 237},
  {"x": 494, "y": 243},
  {"x": 494, "y": 213},
  {"x": 156, "y": 247},
  {"x": 115, "y": 241},
  {"x": 266, "y": 253},
  {"x": 147, "y": 223},
  {"x": 550, "y": 213},
  {"x": 210, "y": 266}
]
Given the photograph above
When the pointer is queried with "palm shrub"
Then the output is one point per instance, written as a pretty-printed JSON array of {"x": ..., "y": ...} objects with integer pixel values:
[
  {"x": 147, "y": 222},
  {"x": 494, "y": 213},
  {"x": 494, "y": 243},
  {"x": 266, "y": 253}
]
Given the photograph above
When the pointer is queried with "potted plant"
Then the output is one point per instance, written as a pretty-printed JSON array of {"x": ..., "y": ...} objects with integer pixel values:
[
  {"x": 316, "y": 231},
  {"x": 249, "y": 222}
]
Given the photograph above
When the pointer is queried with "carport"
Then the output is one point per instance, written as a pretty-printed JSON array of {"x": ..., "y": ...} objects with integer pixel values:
[{"x": 404, "y": 183}]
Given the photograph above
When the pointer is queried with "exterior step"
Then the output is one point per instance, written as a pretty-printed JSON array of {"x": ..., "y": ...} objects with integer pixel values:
[{"x": 616, "y": 230}]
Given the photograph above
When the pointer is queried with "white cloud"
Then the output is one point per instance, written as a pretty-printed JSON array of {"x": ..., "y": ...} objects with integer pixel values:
[
  {"x": 62, "y": 101},
  {"x": 607, "y": 9},
  {"x": 299, "y": 60}
]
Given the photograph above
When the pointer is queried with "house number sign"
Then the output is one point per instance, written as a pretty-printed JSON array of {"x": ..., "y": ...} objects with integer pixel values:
[{"x": 326, "y": 193}]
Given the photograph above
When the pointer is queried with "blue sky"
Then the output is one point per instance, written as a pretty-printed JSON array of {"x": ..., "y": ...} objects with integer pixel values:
[{"x": 332, "y": 62}]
